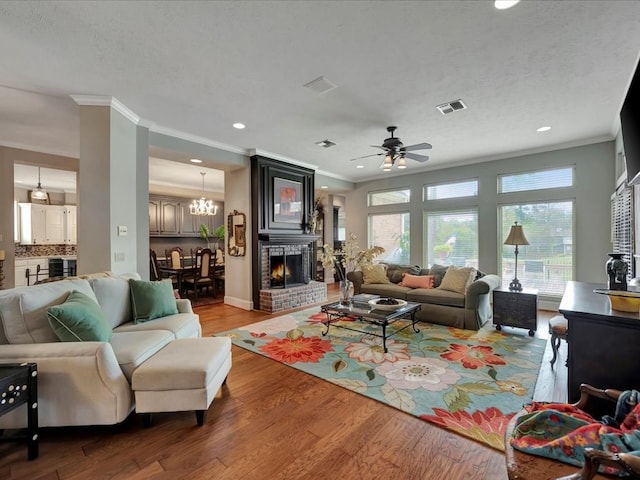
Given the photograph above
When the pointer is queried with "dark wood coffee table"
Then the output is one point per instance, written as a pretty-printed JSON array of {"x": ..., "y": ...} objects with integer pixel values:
[
  {"x": 336, "y": 311},
  {"x": 19, "y": 385}
]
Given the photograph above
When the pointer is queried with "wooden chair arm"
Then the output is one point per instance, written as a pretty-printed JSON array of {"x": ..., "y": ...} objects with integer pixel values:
[
  {"x": 587, "y": 391},
  {"x": 594, "y": 458}
]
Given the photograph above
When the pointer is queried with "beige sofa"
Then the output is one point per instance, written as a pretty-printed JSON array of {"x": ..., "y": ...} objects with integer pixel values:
[
  {"x": 83, "y": 383},
  {"x": 469, "y": 311}
]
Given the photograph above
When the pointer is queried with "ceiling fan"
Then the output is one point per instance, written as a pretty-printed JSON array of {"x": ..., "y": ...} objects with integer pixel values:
[{"x": 395, "y": 151}]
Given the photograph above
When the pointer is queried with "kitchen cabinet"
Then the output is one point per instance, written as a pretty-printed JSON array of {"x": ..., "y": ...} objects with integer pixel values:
[
  {"x": 164, "y": 218},
  {"x": 41, "y": 224},
  {"x": 21, "y": 266},
  {"x": 171, "y": 218},
  {"x": 154, "y": 217},
  {"x": 71, "y": 225},
  {"x": 189, "y": 224}
]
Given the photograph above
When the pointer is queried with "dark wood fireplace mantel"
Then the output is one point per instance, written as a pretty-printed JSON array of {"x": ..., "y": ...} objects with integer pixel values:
[{"x": 302, "y": 238}]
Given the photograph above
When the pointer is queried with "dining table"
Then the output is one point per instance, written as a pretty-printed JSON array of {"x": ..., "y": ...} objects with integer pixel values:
[
  {"x": 180, "y": 273},
  {"x": 189, "y": 269}
]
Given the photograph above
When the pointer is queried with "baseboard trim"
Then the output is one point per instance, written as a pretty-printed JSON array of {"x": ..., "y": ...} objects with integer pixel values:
[{"x": 238, "y": 302}]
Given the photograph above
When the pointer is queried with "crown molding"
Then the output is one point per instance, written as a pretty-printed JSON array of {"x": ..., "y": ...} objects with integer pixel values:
[
  {"x": 196, "y": 139},
  {"x": 282, "y": 158},
  {"x": 106, "y": 101},
  {"x": 35, "y": 148}
]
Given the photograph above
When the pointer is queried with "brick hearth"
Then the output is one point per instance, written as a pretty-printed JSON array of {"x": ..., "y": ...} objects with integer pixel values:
[{"x": 279, "y": 299}]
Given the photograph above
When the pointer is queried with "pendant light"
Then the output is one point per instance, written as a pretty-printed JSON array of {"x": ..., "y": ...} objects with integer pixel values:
[
  {"x": 202, "y": 206},
  {"x": 39, "y": 193}
]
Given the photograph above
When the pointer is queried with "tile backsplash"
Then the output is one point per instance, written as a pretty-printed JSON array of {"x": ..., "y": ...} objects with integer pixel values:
[{"x": 23, "y": 251}]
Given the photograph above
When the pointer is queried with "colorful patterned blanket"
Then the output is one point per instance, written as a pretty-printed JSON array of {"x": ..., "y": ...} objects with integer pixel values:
[{"x": 562, "y": 432}]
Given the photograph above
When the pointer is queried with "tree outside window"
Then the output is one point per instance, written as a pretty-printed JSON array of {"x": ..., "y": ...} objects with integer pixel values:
[{"x": 391, "y": 231}]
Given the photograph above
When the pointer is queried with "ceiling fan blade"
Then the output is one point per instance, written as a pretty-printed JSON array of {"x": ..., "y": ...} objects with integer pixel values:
[
  {"x": 416, "y": 157},
  {"x": 417, "y": 146},
  {"x": 366, "y": 156}
]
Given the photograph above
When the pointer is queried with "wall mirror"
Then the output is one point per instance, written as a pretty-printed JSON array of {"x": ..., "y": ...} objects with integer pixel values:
[{"x": 236, "y": 234}]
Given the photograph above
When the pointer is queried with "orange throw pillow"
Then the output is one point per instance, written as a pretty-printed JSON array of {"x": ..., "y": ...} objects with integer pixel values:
[{"x": 416, "y": 281}]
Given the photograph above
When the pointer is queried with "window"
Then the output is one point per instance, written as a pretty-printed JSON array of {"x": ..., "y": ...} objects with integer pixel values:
[
  {"x": 389, "y": 197},
  {"x": 538, "y": 180},
  {"x": 391, "y": 231},
  {"x": 622, "y": 226},
  {"x": 468, "y": 188},
  {"x": 452, "y": 238},
  {"x": 546, "y": 264}
]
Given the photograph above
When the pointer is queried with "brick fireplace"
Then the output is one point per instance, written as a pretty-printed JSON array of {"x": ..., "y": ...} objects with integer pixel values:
[
  {"x": 283, "y": 249},
  {"x": 285, "y": 266}
]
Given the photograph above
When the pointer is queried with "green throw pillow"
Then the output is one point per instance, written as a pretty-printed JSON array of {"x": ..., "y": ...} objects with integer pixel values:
[
  {"x": 79, "y": 319},
  {"x": 151, "y": 300}
]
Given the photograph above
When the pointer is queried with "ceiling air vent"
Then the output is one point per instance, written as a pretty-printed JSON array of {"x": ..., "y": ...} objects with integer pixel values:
[
  {"x": 325, "y": 143},
  {"x": 451, "y": 107},
  {"x": 320, "y": 85}
]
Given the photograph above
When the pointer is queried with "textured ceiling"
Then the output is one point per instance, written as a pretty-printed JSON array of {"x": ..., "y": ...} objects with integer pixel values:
[{"x": 198, "y": 67}]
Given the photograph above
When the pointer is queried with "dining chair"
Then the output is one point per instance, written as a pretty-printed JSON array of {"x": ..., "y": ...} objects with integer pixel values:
[
  {"x": 203, "y": 274},
  {"x": 175, "y": 257},
  {"x": 154, "y": 273},
  {"x": 194, "y": 256},
  {"x": 218, "y": 271}
]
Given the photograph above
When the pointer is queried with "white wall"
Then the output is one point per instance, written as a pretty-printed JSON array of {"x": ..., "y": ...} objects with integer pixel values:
[
  {"x": 594, "y": 183},
  {"x": 238, "y": 270}
]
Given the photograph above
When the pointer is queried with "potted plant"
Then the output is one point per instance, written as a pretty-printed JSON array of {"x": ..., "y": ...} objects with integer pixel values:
[
  {"x": 205, "y": 233},
  {"x": 443, "y": 250},
  {"x": 218, "y": 234}
]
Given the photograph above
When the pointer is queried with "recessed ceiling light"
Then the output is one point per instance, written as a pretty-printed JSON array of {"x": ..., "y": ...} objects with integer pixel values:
[
  {"x": 359, "y": 166},
  {"x": 504, "y": 4},
  {"x": 543, "y": 129},
  {"x": 323, "y": 187},
  {"x": 239, "y": 126},
  {"x": 195, "y": 160}
]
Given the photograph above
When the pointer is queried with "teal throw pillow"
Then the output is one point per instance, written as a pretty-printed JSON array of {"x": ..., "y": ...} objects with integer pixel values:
[
  {"x": 79, "y": 319},
  {"x": 151, "y": 300}
]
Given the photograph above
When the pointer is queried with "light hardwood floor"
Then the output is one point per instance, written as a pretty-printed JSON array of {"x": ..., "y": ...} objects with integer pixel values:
[{"x": 271, "y": 422}]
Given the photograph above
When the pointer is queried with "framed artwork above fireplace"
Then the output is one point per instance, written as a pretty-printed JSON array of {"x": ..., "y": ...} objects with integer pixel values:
[
  {"x": 285, "y": 196},
  {"x": 287, "y": 201}
]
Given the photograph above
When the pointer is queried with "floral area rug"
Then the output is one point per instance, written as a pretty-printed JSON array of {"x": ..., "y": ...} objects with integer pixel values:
[{"x": 469, "y": 382}]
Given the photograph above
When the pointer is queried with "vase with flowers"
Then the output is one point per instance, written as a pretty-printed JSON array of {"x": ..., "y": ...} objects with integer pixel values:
[{"x": 348, "y": 259}]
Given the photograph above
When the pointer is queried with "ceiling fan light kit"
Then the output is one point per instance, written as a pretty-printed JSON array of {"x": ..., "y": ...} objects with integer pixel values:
[{"x": 395, "y": 153}]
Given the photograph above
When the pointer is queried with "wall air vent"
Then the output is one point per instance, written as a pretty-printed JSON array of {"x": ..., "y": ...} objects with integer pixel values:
[{"x": 451, "y": 107}]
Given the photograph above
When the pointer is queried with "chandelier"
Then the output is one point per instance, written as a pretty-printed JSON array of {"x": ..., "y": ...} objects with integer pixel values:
[
  {"x": 39, "y": 193},
  {"x": 202, "y": 206}
]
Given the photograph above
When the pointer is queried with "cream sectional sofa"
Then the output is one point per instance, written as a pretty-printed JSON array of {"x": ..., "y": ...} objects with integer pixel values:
[{"x": 84, "y": 383}]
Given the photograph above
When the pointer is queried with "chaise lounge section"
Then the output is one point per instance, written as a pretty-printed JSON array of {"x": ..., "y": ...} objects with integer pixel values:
[{"x": 86, "y": 382}]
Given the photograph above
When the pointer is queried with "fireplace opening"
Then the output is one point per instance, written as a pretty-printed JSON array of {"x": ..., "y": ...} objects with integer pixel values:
[
  {"x": 286, "y": 271},
  {"x": 287, "y": 266}
]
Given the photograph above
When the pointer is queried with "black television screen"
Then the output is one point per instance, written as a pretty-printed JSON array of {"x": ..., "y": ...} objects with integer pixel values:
[{"x": 630, "y": 124}]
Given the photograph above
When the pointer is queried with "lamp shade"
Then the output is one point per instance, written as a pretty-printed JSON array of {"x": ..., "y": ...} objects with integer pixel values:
[{"x": 516, "y": 236}]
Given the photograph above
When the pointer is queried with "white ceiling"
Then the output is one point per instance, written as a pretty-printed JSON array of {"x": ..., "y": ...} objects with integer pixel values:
[{"x": 198, "y": 67}]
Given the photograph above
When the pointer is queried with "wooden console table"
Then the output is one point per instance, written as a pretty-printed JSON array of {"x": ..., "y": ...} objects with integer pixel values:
[{"x": 603, "y": 344}]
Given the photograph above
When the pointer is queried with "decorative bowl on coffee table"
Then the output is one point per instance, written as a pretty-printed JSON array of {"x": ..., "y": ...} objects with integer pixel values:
[{"x": 375, "y": 303}]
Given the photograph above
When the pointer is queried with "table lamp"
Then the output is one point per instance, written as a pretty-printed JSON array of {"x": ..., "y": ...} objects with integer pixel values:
[{"x": 516, "y": 237}]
